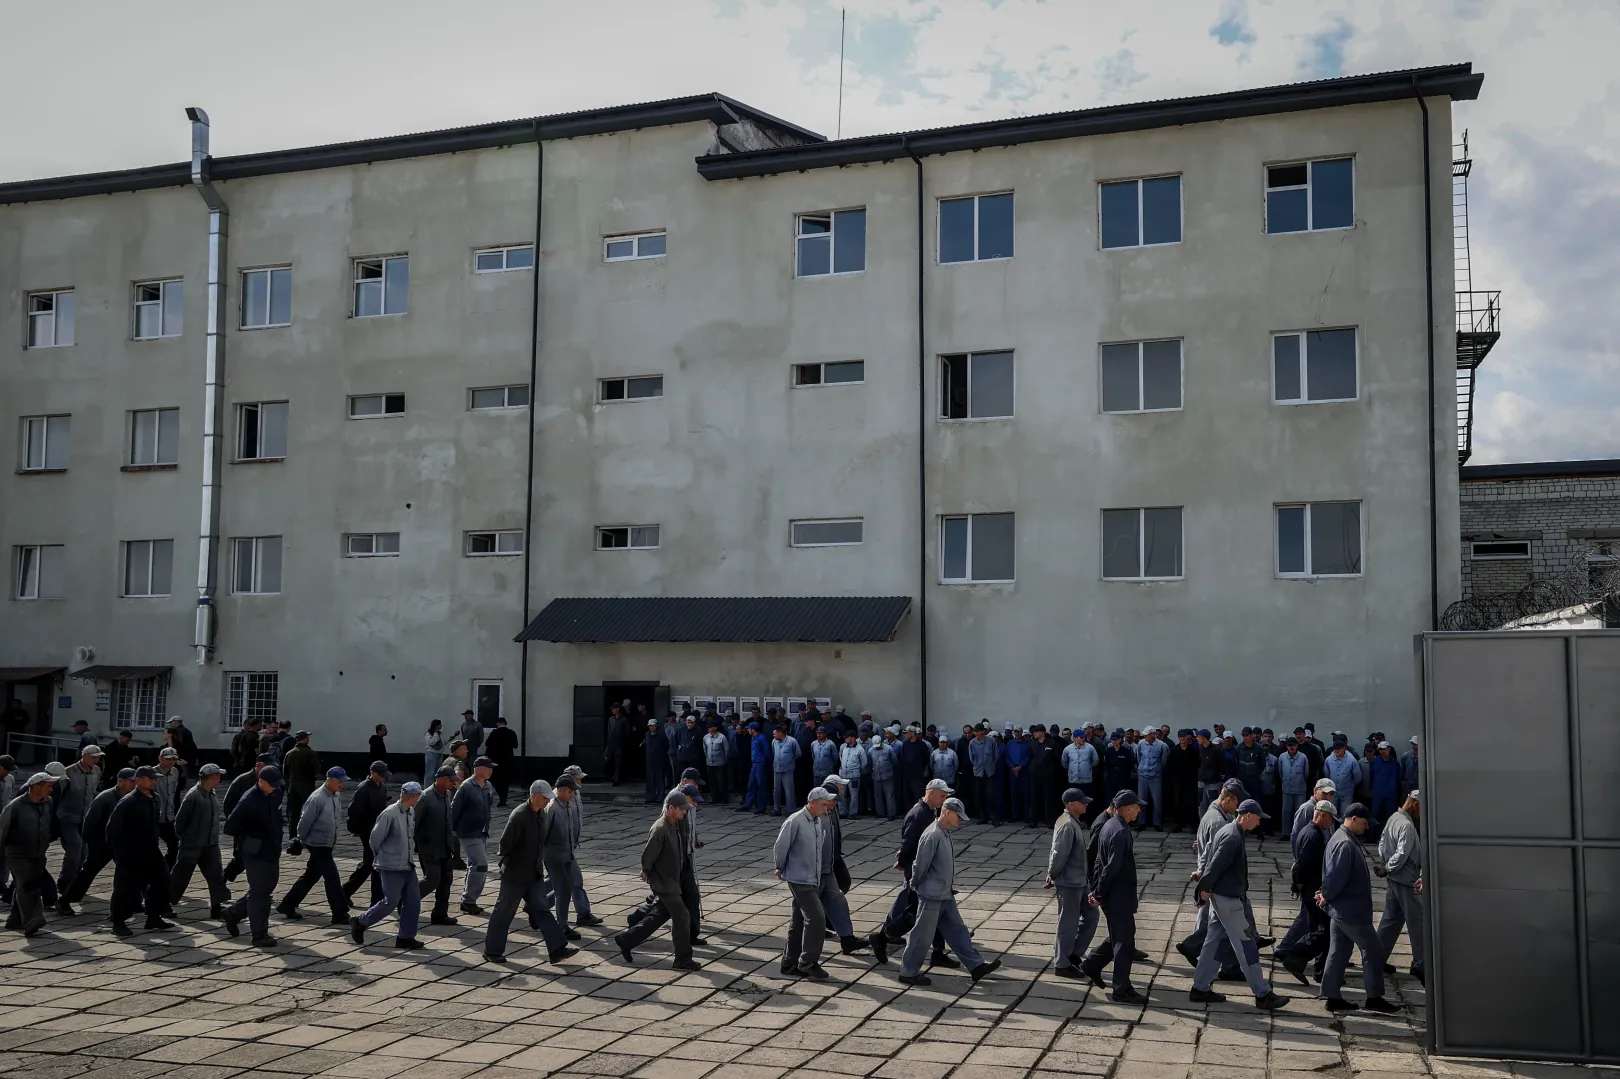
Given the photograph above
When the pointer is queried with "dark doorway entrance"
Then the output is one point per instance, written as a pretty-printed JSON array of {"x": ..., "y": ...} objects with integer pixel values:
[{"x": 591, "y": 704}]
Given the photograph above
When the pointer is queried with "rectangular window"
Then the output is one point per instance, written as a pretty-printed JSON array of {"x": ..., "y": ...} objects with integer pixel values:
[
  {"x": 267, "y": 297},
  {"x": 627, "y": 538},
  {"x": 976, "y": 228},
  {"x": 154, "y": 437},
  {"x": 140, "y": 704},
  {"x": 148, "y": 567},
  {"x": 1320, "y": 539},
  {"x": 498, "y": 397},
  {"x": 158, "y": 309},
  {"x": 1317, "y": 365},
  {"x": 372, "y": 405},
  {"x": 1498, "y": 550},
  {"x": 831, "y": 243},
  {"x": 1141, "y": 376},
  {"x": 256, "y": 566},
  {"x": 370, "y": 544},
  {"x": 1142, "y": 544},
  {"x": 45, "y": 443},
  {"x": 1310, "y": 196},
  {"x": 976, "y": 386},
  {"x": 640, "y": 388},
  {"x": 50, "y": 318},
  {"x": 494, "y": 543},
  {"x": 840, "y": 373},
  {"x": 382, "y": 286},
  {"x": 845, "y": 532},
  {"x": 38, "y": 571},
  {"x": 1139, "y": 213},
  {"x": 501, "y": 259},
  {"x": 629, "y": 247},
  {"x": 976, "y": 547},
  {"x": 250, "y": 695},
  {"x": 261, "y": 431}
]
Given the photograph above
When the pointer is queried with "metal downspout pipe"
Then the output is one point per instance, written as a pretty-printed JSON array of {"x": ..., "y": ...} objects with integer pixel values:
[
  {"x": 1428, "y": 284},
  {"x": 213, "y": 383},
  {"x": 923, "y": 522}
]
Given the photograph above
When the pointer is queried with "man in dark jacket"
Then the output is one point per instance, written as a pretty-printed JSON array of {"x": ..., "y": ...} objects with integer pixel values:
[
  {"x": 1224, "y": 886},
  {"x": 1118, "y": 766},
  {"x": 501, "y": 747},
  {"x": 1251, "y": 760},
  {"x": 1181, "y": 782},
  {"x": 903, "y": 912},
  {"x": 1044, "y": 765},
  {"x": 255, "y": 824},
  {"x": 369, "y": 800},
  {"x": 662, "y": 859},
  {"x": 472, "y": 733},
  {"x": 1346, "y": 894},
  {"x": 434, "y": 848},
  {"x": 617, "y": 744},
  {"x": 377, "y": 748},
  {"x": 655, "y": 751},
  {"x": 1113, "y": 888},
  {"x": 25, "y": 835},
  {"x": 140, "y": 875},
  {"x": 1211, "y": 770},
  {"x": 245, "y": 748},
  {"x": 196, "y": 827},
  {"x": 911, "y": 765},
  {"x": 301, "y": 768},
  {"x": 233, "y": 794},
  {"x": 1307, "y": 939},
  {"x": 522, "y": 879},
  {"x": 96, "y": 851},
  {"x": 119, "y": 754},
  {"x": 470, "y": 812}
]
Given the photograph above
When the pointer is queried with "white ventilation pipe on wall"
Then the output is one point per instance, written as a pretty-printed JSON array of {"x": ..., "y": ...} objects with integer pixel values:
[{"x": 213, "y": 382}]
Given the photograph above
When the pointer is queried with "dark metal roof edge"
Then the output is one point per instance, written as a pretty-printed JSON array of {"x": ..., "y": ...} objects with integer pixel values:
[
  {"x": 528, "y": 633},
  {"x": 1528, "y": 470},
  {"x": 1458, "y": 81},
  {"x": 716, "y": 108}
]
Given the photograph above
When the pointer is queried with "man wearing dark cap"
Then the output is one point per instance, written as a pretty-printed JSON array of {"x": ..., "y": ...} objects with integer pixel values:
[
  {"x": 661, "y": 860},
  {"x": 1307, "y": 939},
  {"x": 434, "y": 847},
  {"x": 301, "y": 768},
  {"x": 655, "y": 760},
  {"x": 365, "y": 806},
  {"x": 96, "y": 851},
  {"x": 1181, "y": 781},
  {"x": 470, "y": 813},
  {"x": 240, "y": 785},
  {"x": 522, "y": 879},
  {"x": 25, "y": 836},
  {"x": 119, "y": 754},
  {"x": 1043, "y": 777},
  {"x": 1067, "y": 872},
  {"x": 140, "y": 875},
  {"x": 984, "y": 758},
  {"x": 1346, "y": 894},
  {"x": 717, "y": 752},
  {"x": 1224, "y": 887},
  {"x": 196, "y": 825},
  {"x": 318, "y": 832},
  {"x": 245, "y": 747},
  {"x": 557, "y": 849},
  {"x": 255, "y": 824},
  {"x": 1113, "y": 889},
  {"x": 1294, "y": 775},
  {"x": 1345, "y": 769},
  {"x": 1118, "y": 766},
  {"x": 471, "y": 733},
  {"x": 1251, "y": 760}
]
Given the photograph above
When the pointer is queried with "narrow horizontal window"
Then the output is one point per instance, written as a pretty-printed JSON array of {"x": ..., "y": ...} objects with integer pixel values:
[
  {"x": 370, "y": 406},
  {"x": 50, "y": 319},
  {"x": 382, "y": 286},
  {"x": 500, "y": 259},
  {"x": 627, "y": 537},
  {"x": 266, "y": 297},
  {"x": 976, "y": 548},
  {"x": 45, "y": 442},
  {"x": 1311, "y": 195},
  {"x": 154, "y": 437},
  {"x": 976, "y": 386},
  {"x": 261, "y": 431},
  {"x": 148, "y": 567},
  {"x": 1319, "y": 539},
  {"x": 1313, "y": 366},
  {"x": 370, "y": 544},
  {"x": 842, "y": 532},
  {"x": 831, "y": 243},
  {"x": 1141, "y": 376},
  {"x": 976, "y": 228},
  {"x": 638, "y": 388},
  {"x": 498, "y": 397},
  {"x": 839, "y": 373},
  {"x": 480, "y": 544},
  {"x": 1499, "y": 550},
  {"x": 1139, "y": 213},
  {"x": 632, "y": 246},
  {"x": 1142, "y": 544},
  {"x": 159, "y": 308}
]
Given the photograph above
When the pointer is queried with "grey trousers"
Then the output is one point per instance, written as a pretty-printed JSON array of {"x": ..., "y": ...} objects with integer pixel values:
[
  {"x": 475, "y": 852},
  {"x": 582, "y": 902},
  {"x": 884, "y": 803},
  {"x": 806, "y": 927},
  {"x": 72, "y": 855},
  {"x": 1403, "y": 907},
  {"x": 782, "y": 792},
  {"x": 1291, "y": 801},
  {"x": 1342, "y": 936},
  {"x": 941, "y": 915},
  {"x": 836, "y": 906},
  {"x": 204, "y": 860},
  {"x": 1152, "y": 787},
  {"x": 263, "y": 875},
  {"x": 1229, "y": 921},
  {"x": 1077, "y": 924},
  {"x": 561, "y": 877}
]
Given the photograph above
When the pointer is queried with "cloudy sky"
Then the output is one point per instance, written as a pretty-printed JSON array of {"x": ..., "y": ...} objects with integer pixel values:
[{"x": 1545, "y": 133}]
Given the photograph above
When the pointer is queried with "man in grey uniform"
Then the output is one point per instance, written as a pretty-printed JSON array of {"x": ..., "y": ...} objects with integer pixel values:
[
  {"x": 576, "y": 824},
  {"x": 1324, "y": 791},
  {"x": 1346, "y": 895},
  {"x": 1066, "y": 871},
  {"x": 661, "y": 860},
  {"x": 933, "y": 872},
  {"x": 1224, "y": 888},
  {"x": 1400, "y": 863},
  {"x": 797, "y": 856},
  {"x": 25, "y": 836},
  {"x": 75, "y": 793},
  {"x": 557, "y": 850},
  {"x": 196, "y": 827}
]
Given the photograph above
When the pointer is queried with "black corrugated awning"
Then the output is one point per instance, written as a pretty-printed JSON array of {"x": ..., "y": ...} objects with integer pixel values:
[
  {"x": 743, "y": 620},
  {"x": 24, "y": 674},
  {"x": 113, "y": 673}
]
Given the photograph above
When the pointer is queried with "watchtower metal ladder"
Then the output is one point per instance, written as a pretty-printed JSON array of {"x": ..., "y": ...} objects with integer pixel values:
[{"x": 1478, "y": 312}]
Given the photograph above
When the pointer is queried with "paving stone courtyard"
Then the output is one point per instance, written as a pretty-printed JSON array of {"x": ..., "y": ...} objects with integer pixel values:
[{"x": 76, "y": 1001}]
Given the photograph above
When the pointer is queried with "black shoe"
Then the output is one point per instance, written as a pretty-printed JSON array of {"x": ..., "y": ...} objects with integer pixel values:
[
  {"x": 1264, "y": 942},
  {"x": 789, "y": 967},
  {"x": 34, "y": 926},
  {"x": 562, "y": 953},
  {"x": 471, "y": 908},
  {"x": 295, "y": 848},
  {"x": 572, "y": 934},
  {"x": 216, "y": 912},
  {"x": 940, "y": 959},
  {"x": 121, "y": 930},
  {"x": 1230, "y": 976},
  {"x": 442, "y": 919},
  {"x": 64, "y": 908},
  {"x": 1205, "y": 996},
  {"x": 1188, "y": 952},
  {"x": 687, "y": 964},
  {"x": 1071, "y": 972},
  {"x": 292, "y": 914},
  {"x": 494, "y": 957},
  {"x": 339, "y": 919},
  {"x": 624, "y": 949},
  {"x": 1339, "y": 1004},
  {"x": 635, "y": 917},
  {"x": 918, "y": 980},
  {"x": 1139, "y": 956},
  {"x": 1380, "y": 1005},
  {"x": 1296, "y": 968},
  {"x": 814, "y": 972},
  {"x": 1129, "y": 996},
  {"x": 1093, "y": 975},
  {"x": 357, "y": 931},
  {"x": 458, "y": 864},
  {"x": 233, "y": 926},
  {"x": 698, "y": 942},
  {"x": 1417, "y": 972},
  {"x": 984, "y": 970},
  {"x": 587, "y": 920},
  {"x": 880, "y": 946},
  {"x": 265, "y": 941},
  {"x": 1270, "y": 1002},
  {"x": 408, "y": 944},
  {"x": 1391, "y": 968},
  {"x": 851, "y": 945}
]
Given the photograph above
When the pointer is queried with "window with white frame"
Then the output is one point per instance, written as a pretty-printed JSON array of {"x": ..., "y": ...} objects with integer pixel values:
[
  {"x": 976, "y": 228},
  {"x": 370, "y": 544},
  {"x": 831, "y": 243},
  {"x": 158, "y": 309},
  {"x": 50, "y": 318},
  {"x": 627, "y": 537},
  {"x": 148, "y": 567},
  {"x": 1142, "y": 544},
  {"x": 976, "y": 386},
  {"x": 1139, "y": 213},
  {"x": 1603, "y": 570},
  {"x": 250, "y": 695},
  {"x": 371, "y": 406},
  {"x": 1319, "y": 539},
  {"x": 976, "y": 547},
  {"x": 629, "y": 247},
  {"x": 1141, "y": 376},
  {"x": 154, "y": 436},
  {"x": 45, "y": 443},
  {"x": 382, "y": 286},
  {"x": 38, "y": 571},
  {"x": 266, "y": 297},
  {"x": 261, "y": 431},
  {"x": 498, "y": 397},
  {"x": 1314, "y": 365},
  {"x": 1498, "y": 550},
  {"x": 833, "y": 373},
  {"x": 831, "y": 532},
  {"x": 140, "y": 704},
  {"x": 484, "y": 544},
  {"x": 638, "y": 388},
  {"x": 1308, "y": 196},
  {"x": 501, "y": 259},
  {"x": 256, "y": 566}
]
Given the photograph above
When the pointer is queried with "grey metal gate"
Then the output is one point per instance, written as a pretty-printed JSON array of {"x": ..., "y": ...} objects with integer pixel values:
[{"x": 1521, "y": 830}]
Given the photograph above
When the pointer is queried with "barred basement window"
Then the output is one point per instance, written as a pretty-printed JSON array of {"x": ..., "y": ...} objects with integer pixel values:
[{"x": 250, "y": 695}]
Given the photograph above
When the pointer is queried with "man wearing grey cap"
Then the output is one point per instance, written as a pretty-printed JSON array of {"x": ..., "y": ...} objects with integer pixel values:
[
  {"x": 171, "y": 770},
  {"x": 1066, "y": 871},
  {"x": 1400, "y": 863},
  {"x": 557, "y": 850},
  {"x": 318, "y": 832},
  {"x": 797, "y": 855},
  {"x": 835, "y": 878},
  {"x": 661, "y": 864},
  {"x": 96, "y": 851},
  {"x": 933, "y": 874},
  {"x": 522, "y": 879},
  {"x": 1224, "y": 888},
  {"x": 25, "y": 836},
  {"x": 393, "y": 848},
  {"x": 576, "y": 830},
  {"x": 902, "y": 915},
  {"x": 73, "y": 796},
  {"x": 470, "y": 812},
  {"x": 1324, "y": 789},
  {"x": 196, "y": 826},
  {"x": 1346, "y": 894}
]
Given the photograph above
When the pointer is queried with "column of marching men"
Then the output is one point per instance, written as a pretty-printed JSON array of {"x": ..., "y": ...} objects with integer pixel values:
[{"x": 413, "y": 843}]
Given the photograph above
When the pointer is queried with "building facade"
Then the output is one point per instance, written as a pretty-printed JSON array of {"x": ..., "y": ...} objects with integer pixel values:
[{"x": 1147, "y": 412}]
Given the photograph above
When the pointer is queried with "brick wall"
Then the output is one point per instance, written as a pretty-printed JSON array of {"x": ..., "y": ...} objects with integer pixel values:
[{"x": 1548, "y": 506}]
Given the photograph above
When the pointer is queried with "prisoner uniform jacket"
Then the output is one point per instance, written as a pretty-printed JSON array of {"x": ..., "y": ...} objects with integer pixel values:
[
  {"x": 139, "y": 873},
  {"x": 96, "y": 851}
]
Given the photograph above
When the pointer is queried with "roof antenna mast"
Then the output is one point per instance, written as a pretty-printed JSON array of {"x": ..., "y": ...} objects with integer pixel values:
[{"x": 843, "y": 15}]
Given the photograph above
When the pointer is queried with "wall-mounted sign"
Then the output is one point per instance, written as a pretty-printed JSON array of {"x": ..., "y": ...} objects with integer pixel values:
[
  {"x": 64, "y": 702},
  {"x": 103, "y": 700},
  {"x": 726, "y": 706}
]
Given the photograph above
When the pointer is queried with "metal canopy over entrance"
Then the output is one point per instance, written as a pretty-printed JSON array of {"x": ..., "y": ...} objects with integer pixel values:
[{"x": 1521, "y": 832}]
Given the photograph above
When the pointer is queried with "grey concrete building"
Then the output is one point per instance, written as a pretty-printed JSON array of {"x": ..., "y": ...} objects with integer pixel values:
[{"x": 1138, "y": 414}]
